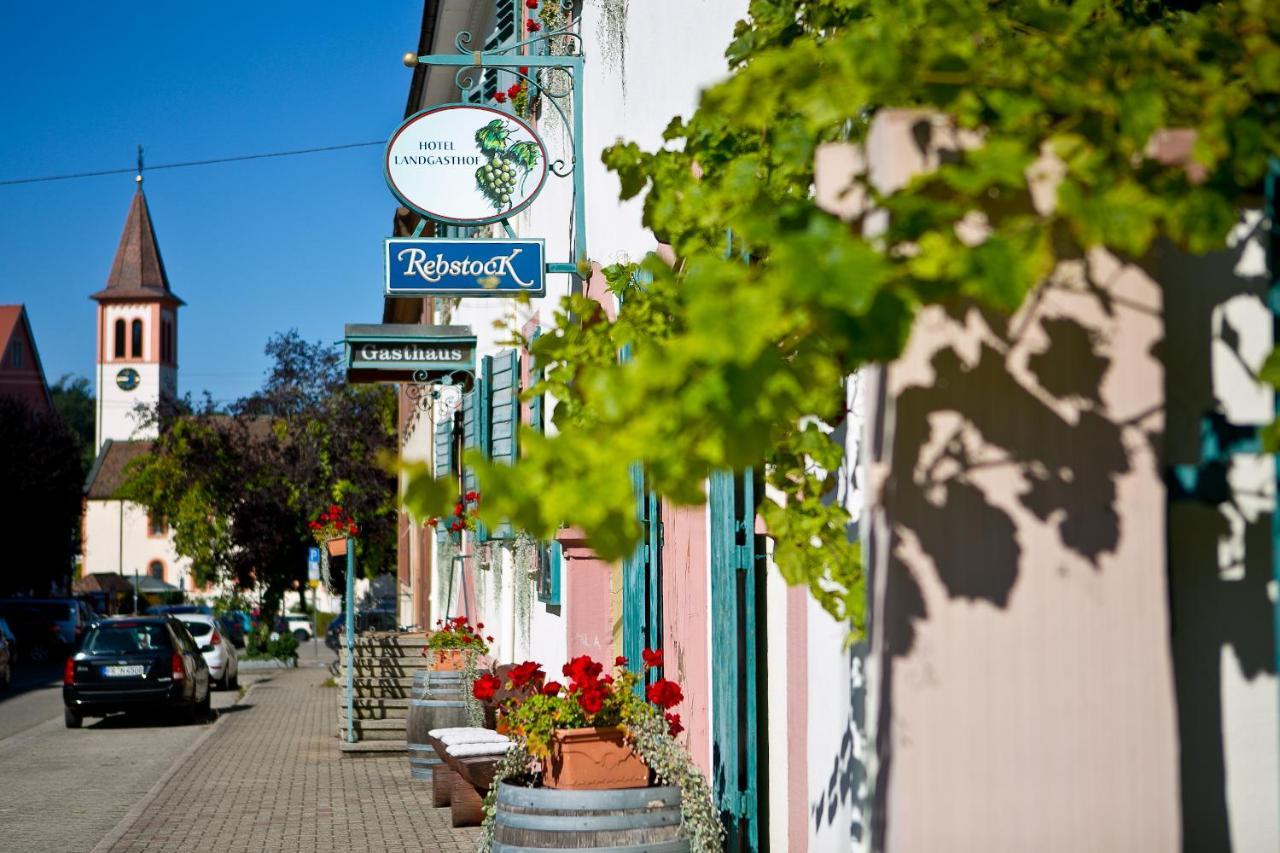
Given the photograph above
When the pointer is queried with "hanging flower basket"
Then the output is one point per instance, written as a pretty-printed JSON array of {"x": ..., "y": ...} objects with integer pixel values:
[
  {"x": 337, "y": 547},
  {"x": 332, "y": 528}
]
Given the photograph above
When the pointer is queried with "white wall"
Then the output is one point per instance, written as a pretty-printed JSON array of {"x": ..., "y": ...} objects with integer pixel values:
[{"x": 105, "y": 521}]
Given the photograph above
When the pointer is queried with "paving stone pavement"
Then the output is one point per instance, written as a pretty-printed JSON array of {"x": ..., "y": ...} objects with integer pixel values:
[{"x": 269, "y": 779}]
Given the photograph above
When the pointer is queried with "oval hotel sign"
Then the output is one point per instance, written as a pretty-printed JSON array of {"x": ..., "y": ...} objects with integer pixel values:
[{"x": 466, "y": 165}]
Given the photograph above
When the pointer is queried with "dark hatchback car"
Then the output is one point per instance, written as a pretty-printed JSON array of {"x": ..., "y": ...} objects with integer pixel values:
[
  {"x": 136, "y": 663},
  {"x": 366, "y": 620}
]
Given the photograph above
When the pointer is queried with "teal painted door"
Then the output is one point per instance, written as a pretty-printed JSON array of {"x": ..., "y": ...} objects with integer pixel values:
[
  {"x": 739, "y": 687},
  {"x": 642, "y": 578}
]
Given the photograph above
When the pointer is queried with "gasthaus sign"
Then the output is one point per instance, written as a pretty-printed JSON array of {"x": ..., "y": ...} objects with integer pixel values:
[
  {"x": 465, "y": 165},
  {"x": 418, "y": 266},
  {"x": 395, "y": 352}
]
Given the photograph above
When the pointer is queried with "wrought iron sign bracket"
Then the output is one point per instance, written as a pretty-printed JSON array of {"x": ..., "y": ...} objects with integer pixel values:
[{"x": 512, "y": 59}]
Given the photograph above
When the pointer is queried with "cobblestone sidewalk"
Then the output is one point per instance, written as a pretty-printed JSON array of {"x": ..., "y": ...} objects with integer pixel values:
[{"x": 269, "y": 780}]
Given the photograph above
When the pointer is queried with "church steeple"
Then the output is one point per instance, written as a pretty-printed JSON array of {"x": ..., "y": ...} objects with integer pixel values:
[
  {"x": 138, "y": 271},
  {"x": 137, "y": 330}
]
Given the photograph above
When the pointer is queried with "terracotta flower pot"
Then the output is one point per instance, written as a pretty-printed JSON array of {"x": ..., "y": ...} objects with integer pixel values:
[
  {"x": 593, "y": 759},
  {"x": 445, "y": 659},
  {"x": 337, "y": 547}
]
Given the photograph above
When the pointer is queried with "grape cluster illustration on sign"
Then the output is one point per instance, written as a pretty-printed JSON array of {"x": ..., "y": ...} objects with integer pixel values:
[{"x": 505, "y": 164}]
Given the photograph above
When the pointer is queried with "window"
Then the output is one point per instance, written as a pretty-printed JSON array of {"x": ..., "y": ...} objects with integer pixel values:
[
  {"x": 15, "y": 354},
  {"x": 119, "y": 337},
  {"x": 156, "y": 570},
  {"x": 157, "y": 525},
  {"x": 135, "y": 344}
]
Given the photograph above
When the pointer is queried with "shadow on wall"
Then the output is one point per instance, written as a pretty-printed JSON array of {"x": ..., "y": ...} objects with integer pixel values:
[
  {"x": 846, "y": 784},
  {"x": 1220, "y": 538},
  {"x": 1008, "y": 424}
]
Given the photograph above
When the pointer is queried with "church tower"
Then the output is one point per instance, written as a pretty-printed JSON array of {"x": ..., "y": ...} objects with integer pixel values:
[{"x": 137, "y": 331}]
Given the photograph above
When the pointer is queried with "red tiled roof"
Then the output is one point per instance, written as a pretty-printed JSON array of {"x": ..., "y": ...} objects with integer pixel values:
[{"x": 137, "y": 272}]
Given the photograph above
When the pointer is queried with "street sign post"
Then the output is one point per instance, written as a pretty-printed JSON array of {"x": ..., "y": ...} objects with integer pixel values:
[{"x": 419, "y": 266}]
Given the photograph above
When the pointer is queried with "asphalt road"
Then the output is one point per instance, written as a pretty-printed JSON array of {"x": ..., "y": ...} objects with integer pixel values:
[{"x": 62, "y": 790}]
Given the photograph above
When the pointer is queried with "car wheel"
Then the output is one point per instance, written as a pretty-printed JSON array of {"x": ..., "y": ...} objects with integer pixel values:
[
  {"x": 204, "y": 710},
  {"x": 71, "y": 718},
  {"x": 234, "y": 683},
  {"x": 301, "y": 636}
]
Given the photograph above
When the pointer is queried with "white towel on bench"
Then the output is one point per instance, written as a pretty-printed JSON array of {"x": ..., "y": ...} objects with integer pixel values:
[
  {"x": 467, "y": 734},
  {"x": 470, "y": 750}
]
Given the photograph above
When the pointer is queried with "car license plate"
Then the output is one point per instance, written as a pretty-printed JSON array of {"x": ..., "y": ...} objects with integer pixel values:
[{"x": 118, "y": 671}]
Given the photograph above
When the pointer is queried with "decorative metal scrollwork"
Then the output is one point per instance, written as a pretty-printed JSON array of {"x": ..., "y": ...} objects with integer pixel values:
[{"x": 445, "y": 392}]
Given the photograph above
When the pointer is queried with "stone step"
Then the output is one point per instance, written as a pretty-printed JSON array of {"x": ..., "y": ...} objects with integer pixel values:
[
  {"x": 380, "y": 667},
  {"x": 374, "y": 729},
  {"x": 375, "y": 709},
  {"x": 372, "y": 746}
]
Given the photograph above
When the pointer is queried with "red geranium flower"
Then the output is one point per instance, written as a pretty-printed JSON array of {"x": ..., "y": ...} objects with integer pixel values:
[
  {"x": 551, "y": 688},
  {"x": 525, "y": 672},
  {"x": 583, "y": 670},
  {"x": 513, "y": 91},
  {"x": 531, "y": 4},
  {"x": 484, "y": 687},
  {"x": 591, "y": 701},
  {"x": 665, "y": 694},
  {"x": 501, "y": 97},
  {"x": 652, "y": 657},
  {"x": 619, "y": 661},
  {"x": 673, "y": 724},
  {"x": 524, "y": 69},
  {"x": 489, "y": 639},
  {"x": 532, "y": 26},
  {"x": 471, "y": 495},
  {"x": 480, "y": 626}
]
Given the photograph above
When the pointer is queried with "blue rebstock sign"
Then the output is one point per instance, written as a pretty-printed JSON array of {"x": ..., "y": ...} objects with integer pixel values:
[{"x": 420, "y": 266}]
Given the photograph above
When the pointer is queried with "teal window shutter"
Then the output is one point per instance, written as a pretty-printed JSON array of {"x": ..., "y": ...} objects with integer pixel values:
[
  {"x": 504, "y": 32},
  {"x": 550, "y": 557},
  {"x": 444, "y": 461},
  {"x": 504, "y": 406},
  {"x": 504, "y": 416},
  {"x": 475, "y": 429}
]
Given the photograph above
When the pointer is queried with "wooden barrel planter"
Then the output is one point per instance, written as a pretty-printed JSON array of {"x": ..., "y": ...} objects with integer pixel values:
[
  {"x": 557, "y": 819},
  {"x": 436, "y": 703}
]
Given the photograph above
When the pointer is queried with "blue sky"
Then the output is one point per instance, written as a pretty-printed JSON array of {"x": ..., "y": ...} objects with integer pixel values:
[{"x": 254, "y": 248}]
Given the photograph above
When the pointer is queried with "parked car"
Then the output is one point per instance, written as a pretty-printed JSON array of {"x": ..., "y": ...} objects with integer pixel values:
[
  {"x": 136, "y": 663},
  {"x": 7, "y": 633},
  {"x": 366, "y": 620},
  {"x": 46, "y": 627},
  {"x": 6, "y": 660},
  {"x": 297, "y": 624},
  {"x": 178, "y": 609},
  {"x": 233, "y": 627},
  {"x": 219, "y": 653}
]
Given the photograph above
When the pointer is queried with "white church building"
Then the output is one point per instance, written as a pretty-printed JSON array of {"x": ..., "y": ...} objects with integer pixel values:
[{"x": 137, "y": 365}]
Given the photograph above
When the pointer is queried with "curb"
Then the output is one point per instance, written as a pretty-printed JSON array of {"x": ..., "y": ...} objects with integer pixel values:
[{"x": 140, "y": 807}]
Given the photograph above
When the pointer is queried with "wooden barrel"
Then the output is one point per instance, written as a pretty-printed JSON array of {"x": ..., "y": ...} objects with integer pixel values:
[
  {"x": 435, "y": 703},
  {"x": 622, "y": 819}
]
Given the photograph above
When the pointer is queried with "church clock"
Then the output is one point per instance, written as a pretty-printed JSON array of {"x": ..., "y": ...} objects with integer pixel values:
[{"x": 127, "y": 379}]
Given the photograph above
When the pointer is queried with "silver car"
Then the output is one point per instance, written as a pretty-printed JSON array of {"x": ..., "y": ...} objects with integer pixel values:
[{"x": 219, "y": 652}]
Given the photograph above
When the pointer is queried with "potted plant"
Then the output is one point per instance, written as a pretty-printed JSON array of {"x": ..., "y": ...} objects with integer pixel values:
[
  {"x": 452, "y": 641},
  {"x": 332, "y": 528},
  {"x": 577, "y": 731},
  {"x": 466, "y": 513}
]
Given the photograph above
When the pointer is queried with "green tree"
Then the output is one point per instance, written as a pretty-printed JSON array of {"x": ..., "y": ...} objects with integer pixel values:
[
  {"x": 239, "y": 489},
  {"x": 740, "y": 351},
  {"x": 40, "y": 465},
  {"x": 73, "y": 399}
]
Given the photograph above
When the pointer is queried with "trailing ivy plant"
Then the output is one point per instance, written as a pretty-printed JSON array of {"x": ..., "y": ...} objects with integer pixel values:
[{"x": 741, "y": 349}]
